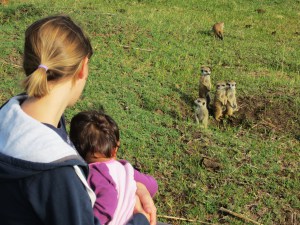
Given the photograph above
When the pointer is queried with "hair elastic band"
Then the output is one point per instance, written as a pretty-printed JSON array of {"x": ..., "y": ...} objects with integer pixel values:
[{"x": 43, "y": 66}]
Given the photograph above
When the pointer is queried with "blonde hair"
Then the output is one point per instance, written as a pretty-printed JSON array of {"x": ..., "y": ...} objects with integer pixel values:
[{"x": 57, "y": 43}]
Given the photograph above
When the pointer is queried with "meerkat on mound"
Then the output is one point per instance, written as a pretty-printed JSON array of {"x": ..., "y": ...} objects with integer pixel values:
[
  {"x": 231, "y": 105},
  {"x": 201, "y": 112},
  {"x": 218, "y": 30},
  {"x": 205, "y": 84},
  {"x": 220, "y": 100}
]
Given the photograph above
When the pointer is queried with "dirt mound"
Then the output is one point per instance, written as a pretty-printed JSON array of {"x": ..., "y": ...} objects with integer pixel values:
[{"x": 267, "y": 115}]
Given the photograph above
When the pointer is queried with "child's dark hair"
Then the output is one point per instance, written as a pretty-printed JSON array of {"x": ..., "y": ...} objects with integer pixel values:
[{"x": 94, "y": 131}]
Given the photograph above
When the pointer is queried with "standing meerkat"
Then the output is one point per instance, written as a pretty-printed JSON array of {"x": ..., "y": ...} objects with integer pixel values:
[
  {"x": 201, "y": 112},
  {"x": 4, "y": 2},
  {"x": 220, "y": 100},
  {"x": 231, "y": 105},
  {"x": 205, "y": 84},
  {"x": 218, "y": 29}
]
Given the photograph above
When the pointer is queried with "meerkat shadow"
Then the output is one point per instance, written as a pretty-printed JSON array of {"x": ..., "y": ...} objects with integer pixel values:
[
  {"x": 189, "y": 100},
  {"x": 210, "y": 33},
  {"x": 209, "y": 103},
  {"x": 206, "y": 32},
  {"x": 210, "y": 110}
]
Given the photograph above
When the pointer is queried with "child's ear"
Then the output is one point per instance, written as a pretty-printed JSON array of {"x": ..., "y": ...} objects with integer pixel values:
[{"x": 114, "y": 152}]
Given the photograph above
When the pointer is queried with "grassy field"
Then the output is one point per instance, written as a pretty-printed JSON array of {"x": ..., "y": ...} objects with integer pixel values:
[{"x": 145, "y": 73}]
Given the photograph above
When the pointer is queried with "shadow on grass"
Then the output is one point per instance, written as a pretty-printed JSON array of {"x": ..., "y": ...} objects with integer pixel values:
[{"x": 186, "y": 105}]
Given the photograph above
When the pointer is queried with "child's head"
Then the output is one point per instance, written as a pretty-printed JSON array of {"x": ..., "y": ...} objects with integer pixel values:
[
  {"x": 93, "y": 132},
  {"x": 55, "y": 48}
]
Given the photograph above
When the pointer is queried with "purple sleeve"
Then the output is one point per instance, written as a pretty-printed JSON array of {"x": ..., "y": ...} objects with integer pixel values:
[
  {"x": 147, "y": 180},
  {"x": 106, "y": 193}
]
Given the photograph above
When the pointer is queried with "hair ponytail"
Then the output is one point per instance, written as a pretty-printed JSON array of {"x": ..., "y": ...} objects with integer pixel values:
[
  {"x": 59, "y": 42},
  {"x": 36, "y": 84}
]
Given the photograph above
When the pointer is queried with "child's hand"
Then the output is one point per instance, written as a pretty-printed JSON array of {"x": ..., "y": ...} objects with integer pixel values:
[{"x": 138, "y": 208}]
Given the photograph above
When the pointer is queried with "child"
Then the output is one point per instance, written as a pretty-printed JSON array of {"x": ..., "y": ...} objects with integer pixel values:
[
  {"x": 42, "y": 177},
  {"x": 97, "y": 139}
]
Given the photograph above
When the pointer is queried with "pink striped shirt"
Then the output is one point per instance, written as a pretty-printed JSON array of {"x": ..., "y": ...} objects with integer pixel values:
[{"x": 114, "y": 183}]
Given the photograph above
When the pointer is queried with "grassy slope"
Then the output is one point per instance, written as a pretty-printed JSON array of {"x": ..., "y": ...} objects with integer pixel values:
[{"x": 149, "y": 89}]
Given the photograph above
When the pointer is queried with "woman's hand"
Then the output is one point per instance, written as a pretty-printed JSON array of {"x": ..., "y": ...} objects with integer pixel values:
[
  {"x": 138, "y": 208},
  {"x": 146, "y": 203}
]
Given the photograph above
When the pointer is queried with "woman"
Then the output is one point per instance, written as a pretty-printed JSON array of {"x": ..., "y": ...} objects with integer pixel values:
[{"x": 42, "y": 178}]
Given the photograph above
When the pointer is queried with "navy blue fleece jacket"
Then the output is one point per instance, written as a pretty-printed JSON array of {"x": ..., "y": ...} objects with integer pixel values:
[{"x": 39, "y": 183}]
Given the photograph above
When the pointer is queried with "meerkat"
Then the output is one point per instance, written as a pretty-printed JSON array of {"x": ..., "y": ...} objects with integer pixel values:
[
  {"x": 201, "y": 112},
  {"x": 231, "y": 105},
  {"x": 4, "y": 2},
  {"x": 205, "y": 84},
  {"x": 220, "y": 100},
  {"x": 218, "y": 30}
]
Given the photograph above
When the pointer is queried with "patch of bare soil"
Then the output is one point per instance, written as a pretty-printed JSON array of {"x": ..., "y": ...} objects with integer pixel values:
[{"x": 265, "y": 115}]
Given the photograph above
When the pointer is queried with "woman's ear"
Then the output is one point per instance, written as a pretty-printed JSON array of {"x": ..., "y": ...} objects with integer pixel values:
[{"x": 83, "y": 73}]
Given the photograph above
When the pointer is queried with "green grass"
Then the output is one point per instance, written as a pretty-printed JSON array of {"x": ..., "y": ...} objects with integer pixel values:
[{"x": 145, "y": 74}]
